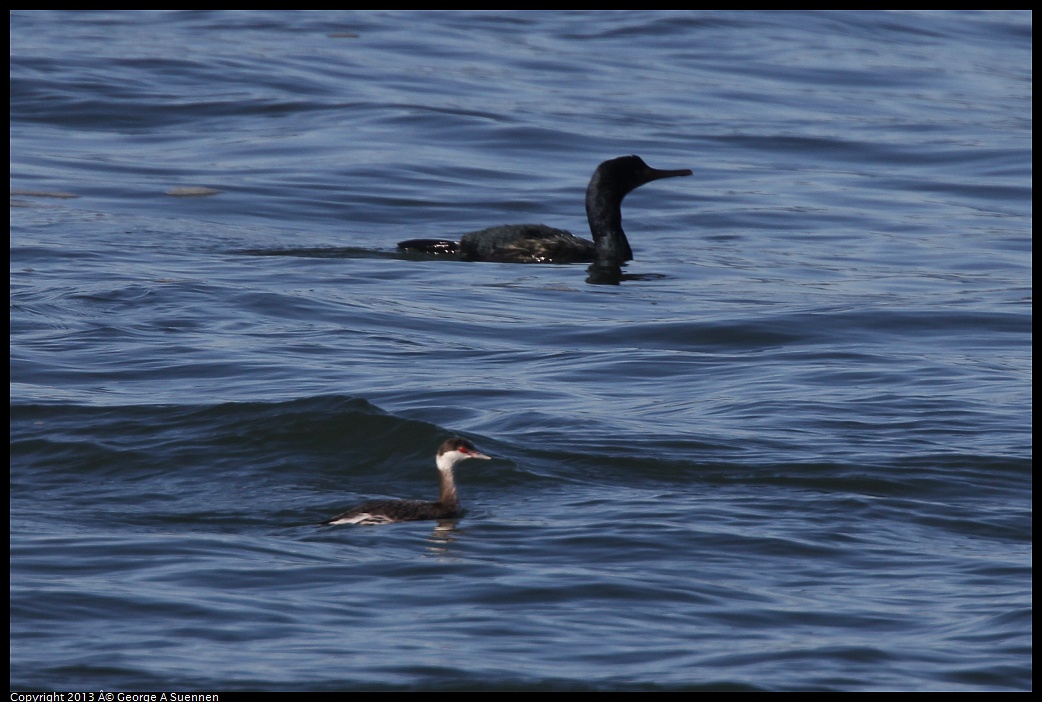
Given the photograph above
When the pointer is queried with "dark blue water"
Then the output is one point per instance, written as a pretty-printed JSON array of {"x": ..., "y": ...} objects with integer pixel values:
[{"x": 790, "y": 450}]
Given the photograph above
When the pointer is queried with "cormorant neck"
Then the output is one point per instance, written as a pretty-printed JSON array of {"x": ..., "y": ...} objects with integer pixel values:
[
  {"x": 608, "y": 186},
  {"x": 604, "y": 212}
]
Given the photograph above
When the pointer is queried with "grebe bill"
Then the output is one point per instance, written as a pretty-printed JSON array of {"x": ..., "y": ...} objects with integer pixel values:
[{"x": 450, "y": 453}]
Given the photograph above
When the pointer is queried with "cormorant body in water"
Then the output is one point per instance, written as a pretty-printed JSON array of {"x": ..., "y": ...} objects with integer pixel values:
[
  {"x": 538, "y": 243},
  {"x": 451, "y": 452}
]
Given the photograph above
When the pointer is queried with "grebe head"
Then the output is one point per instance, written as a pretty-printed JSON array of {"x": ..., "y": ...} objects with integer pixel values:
[{"x": 454, "y": 450}]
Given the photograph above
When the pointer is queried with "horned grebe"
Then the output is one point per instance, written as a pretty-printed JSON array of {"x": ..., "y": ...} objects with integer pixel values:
[
  {"x": 451, "y": 452},
  {"x": 538, "y": 243}
]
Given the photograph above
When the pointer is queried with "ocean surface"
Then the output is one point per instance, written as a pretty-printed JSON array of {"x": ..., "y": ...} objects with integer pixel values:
[{"x": 789, "y": 450}]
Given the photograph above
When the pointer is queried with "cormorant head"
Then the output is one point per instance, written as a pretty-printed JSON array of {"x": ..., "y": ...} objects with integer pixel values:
[{"x": 618, "y": 176}]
